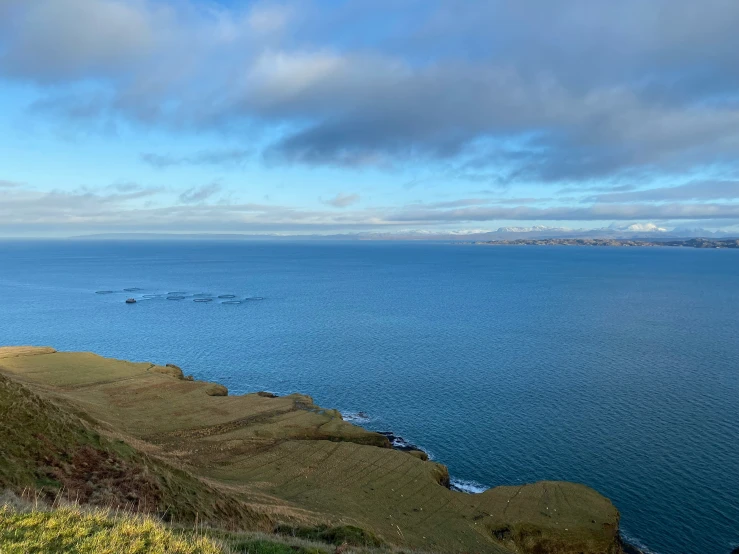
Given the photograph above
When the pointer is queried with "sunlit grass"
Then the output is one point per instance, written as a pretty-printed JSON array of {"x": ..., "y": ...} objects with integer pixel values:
[{"x": 70, "y": 529}]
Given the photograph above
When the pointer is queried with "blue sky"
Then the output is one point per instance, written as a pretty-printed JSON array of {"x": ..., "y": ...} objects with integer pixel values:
[{"x": 348, "y": 116}]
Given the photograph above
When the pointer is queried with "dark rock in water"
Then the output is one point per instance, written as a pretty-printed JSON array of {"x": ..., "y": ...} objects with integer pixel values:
[
  {"x": 735, "y": 551},
  {"x": 399, "y": 443},
  {"x": 130, "y": 301}
]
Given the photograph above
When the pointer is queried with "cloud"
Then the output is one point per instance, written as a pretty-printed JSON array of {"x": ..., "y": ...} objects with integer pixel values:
[
  {"x": 9, "y": 184},
  {"x": 461, "y": 203},
  {"x": 198, "y": 195},
  {"x": 702, "y": 190},
  {"x": 48, "y": 40},
  {"x": 343, "y": 200},
  {"x": 133, "y": 207},
  {"x": 228, "y": 157},
  {"x": 616, "y": 212},
  {"x": 268, "y": 19},
  {"x": 506, "y": 92}
]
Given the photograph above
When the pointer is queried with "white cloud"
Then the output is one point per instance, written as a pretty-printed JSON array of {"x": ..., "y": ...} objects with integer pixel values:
[
  {"x": 343, "y": 200},
  {"x": 57, "y": 39}
]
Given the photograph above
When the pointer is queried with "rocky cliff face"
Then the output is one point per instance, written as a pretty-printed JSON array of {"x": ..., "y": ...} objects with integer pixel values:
[{"x": 261, "y": 462}]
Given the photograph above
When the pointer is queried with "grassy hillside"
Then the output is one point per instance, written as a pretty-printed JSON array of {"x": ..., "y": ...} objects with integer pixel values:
[
  {"x": 116, "y": 433},
  {"x": 52, "y": 451}
]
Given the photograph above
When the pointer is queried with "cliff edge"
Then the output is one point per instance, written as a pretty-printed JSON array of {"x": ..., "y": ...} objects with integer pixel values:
[{"x": 145, "y": 437}]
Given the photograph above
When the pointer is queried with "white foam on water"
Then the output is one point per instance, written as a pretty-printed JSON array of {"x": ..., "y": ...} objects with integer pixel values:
[
  {"x": 633, "y": 541},
  {"x": 464, "y": 485},
  {"x": 356, "y": 417}
]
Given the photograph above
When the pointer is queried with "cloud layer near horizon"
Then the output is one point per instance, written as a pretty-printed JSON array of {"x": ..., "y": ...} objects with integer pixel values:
[
  {"x": 638, "y": 99},
  {"x": 129, "y": 207}
]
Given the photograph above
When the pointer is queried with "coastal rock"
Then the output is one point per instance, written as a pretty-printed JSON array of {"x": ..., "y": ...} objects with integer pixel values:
[
  {"x": 420, "y": 454},
  {"x": 169, "y": 369},
  {"x": 265, "y": 394},
  {"x": 216, "y": 390},
  {"x": 441, "y": 475}
]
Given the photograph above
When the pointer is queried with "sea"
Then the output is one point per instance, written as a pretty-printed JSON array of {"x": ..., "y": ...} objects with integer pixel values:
[{"x": 613, "y": 367}]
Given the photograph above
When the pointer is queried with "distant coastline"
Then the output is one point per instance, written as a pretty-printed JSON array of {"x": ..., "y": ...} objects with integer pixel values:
[{"x": 688, "y": 243}]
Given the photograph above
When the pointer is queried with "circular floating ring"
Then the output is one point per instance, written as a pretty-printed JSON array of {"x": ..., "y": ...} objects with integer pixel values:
[
  {"x": 132, "y": 290},
  {"x": 177, "y": 293},
  {"x": 105, "y": 292},
  {"x": 151, "y": 296},
  {"x": 233, "y": 302},
  {"x": 227, "y": 296},
  {"x": 175, "y": 298},
  {"x": 255, "y": 298},
  {"x": 203, "y": 300}
]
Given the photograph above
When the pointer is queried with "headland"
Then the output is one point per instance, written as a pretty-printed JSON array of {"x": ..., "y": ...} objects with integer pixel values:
[{"x": 146, "y": 437}]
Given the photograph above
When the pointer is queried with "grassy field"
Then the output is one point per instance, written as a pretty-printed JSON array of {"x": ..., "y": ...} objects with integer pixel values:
[{"x": 153, "y": 438}]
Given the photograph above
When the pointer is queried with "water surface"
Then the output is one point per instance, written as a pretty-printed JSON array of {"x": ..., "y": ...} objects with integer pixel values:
[{"x": 614, "y": 367}]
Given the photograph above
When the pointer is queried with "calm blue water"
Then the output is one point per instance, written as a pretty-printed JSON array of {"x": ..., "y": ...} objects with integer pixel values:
[{"x": 618, "y": 368}]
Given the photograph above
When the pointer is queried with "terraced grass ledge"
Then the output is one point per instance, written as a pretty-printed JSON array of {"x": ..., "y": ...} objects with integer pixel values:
[{"x": 145, "y": 437}]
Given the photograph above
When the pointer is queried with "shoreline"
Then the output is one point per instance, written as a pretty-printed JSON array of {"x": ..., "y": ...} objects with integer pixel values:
[
  {"x": 464, "y": 486},
  {"x": 714, "y": 244}
]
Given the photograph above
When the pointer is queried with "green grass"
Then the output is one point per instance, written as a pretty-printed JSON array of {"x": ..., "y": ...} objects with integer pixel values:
[
  {"x": 72, "y": 530},
  {"x": 262, "y": 546},
  {"x": 344, "y": 534}
]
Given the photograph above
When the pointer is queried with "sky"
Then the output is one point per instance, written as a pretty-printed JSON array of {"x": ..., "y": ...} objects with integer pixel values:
[{"x": 345, "y": 116}]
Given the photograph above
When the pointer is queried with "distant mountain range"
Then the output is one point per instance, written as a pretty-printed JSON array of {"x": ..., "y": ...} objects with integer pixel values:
[{"x": 648, "y": 231}]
